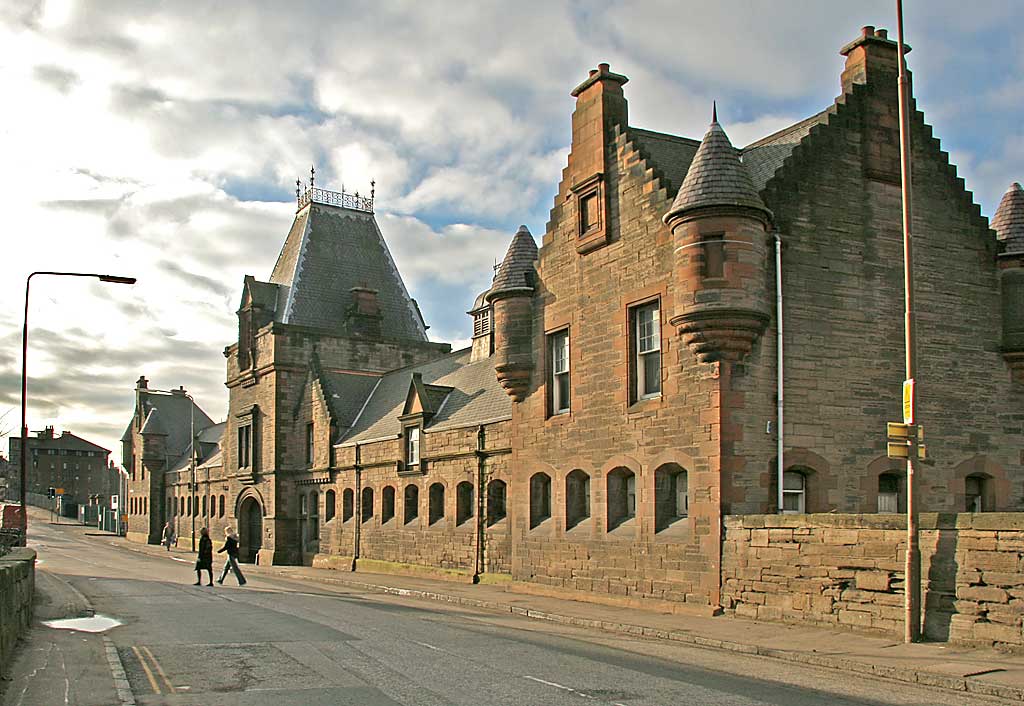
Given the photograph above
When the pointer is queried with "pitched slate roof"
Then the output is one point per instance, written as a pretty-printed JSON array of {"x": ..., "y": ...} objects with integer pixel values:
[
  {"x": 516, "y": 271},
  {"x": 475, "y": 398},
  {"x": 174, "y": 418},
  {"x": 153, "y": 425},
  {"x": 209, "y": 441},
  {"x": 716, "y": 177},
  {"x": 764, "y": 157},
  {"x": 669, "y": 153},
  {"x": 66, "y": 441},
  {"x": 1008, "y": 221},
  {"x": 330, "y": 250},
  {"x": 346, "y": 394}
]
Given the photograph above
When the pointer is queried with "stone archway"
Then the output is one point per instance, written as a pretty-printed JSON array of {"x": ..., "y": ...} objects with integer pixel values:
[{"x": 250, "y": 530}]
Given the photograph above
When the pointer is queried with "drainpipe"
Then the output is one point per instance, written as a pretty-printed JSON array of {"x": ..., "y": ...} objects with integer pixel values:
[
  {"x": 779, "y": 385},
  {"x": 481, "y": 472},
  {"x": 357, "y": 507}
]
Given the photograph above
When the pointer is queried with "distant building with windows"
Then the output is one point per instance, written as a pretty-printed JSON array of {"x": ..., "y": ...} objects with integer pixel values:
[
  {"x": 620, "y": 397},
  {"x": 65, "y": 462}
]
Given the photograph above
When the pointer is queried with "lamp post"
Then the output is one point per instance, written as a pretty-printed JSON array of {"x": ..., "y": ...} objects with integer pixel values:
[
  {"x": 193, "y": 496},
  {"x": 113, "y": 279}
]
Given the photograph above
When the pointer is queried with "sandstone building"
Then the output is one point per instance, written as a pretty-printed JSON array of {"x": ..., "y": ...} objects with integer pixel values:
[{"x": 620, "y": 398}]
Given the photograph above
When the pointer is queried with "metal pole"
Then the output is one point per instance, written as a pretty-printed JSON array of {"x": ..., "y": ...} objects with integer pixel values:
[
  {"x": 192, "y": 453},
  {"x": 24, "y": 381},
  {"x": 780, "y": 439},
  {"x": 912, "y": 572}
]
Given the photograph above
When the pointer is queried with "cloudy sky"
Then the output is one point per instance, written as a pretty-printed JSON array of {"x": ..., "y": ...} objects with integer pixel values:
[{"x": 163, "y": 140}]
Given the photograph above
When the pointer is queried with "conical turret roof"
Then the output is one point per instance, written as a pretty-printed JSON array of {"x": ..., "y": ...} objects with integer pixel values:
[
  {"x": 1008, "y": 222},
  {"x": 716, "y": 177},
  {"x": 516, "y": 271}
]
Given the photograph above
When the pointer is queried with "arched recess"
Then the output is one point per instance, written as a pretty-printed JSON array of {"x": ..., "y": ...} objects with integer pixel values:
[
  {"x": 817, "y": 472},
  {"x": 995, "y": 486},
  {"x": 869, "y": 484},
  {"x": 249, "y": 511}
]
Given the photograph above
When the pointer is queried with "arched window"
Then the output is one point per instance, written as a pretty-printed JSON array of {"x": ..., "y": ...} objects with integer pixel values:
[
  {"x": 577, "y": 498},
  {"x": 794, "y": 492},
  {"x": 495, "y": 501},
  {"x": 145, "y": 506},
  {"x": 889, "y": 492},
  {"x": 347, "y": 504},
  {"x": 411, "y": 501},
  {"x": 204, "y": 506},
  {"x": 621, "y": 497},
  {"x": 387, "y": 504},
  {"x": 314, "y": 515},
  {"x": 435, "y": 511},
  {"x": 671, "y": 495},
  {"x": 190, "y": 505},
  {"x": 976, "y": 493},
  {"x": 540, "y": 498},
  {"x": 367, "y": 504},
  {"x": 329, "y": 500},
  {"x": 220, "y": 513},
  {"x": 463, "y": 502}
]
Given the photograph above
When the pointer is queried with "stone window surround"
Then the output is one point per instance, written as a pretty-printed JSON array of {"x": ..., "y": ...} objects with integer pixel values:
[
  {"x": 596, "y": 234},
  {"x": 435, "y": 503},
  {"x": 496, "y": 488},
  {"x": 577, "y": 499},
  {"x": 554, "y": 394},
  {"x": 636, "y": 393},
  {"x": 245, "y": 451}
]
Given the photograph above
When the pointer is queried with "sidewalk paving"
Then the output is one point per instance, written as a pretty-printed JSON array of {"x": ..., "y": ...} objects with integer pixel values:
[{"x": 955, "y": 667}]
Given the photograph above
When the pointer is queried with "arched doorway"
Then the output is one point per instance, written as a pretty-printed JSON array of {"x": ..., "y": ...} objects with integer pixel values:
[{"x": 250, "y": 530}]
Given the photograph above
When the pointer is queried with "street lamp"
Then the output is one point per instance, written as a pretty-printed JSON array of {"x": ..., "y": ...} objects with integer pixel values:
[{"x": 113, "y": 279}]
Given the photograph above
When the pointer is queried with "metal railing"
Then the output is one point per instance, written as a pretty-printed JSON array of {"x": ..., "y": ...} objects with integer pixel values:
[{"x": 343, "y": 199}]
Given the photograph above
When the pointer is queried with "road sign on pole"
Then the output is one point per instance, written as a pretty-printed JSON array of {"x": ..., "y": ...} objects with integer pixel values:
[{"x": 908, "y": 401}]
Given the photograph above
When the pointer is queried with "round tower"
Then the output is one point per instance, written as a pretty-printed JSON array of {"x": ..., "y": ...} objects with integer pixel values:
[
  {"x": 511, "y": 297},
  {"x": 720, "y": 230},
  {"x": 1008, "y": 223}
]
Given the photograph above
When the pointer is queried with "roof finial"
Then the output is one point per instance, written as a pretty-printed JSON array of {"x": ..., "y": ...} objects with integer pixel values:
[
  {"x": 714, "y": 111},
  {"x": 297, "y": 190},
  {"x": 373, "y": 189},
  {"x": 312, "y": 175}
]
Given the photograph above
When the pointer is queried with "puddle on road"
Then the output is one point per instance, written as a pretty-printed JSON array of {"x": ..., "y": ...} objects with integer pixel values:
[{"x": 97, "y": 623}]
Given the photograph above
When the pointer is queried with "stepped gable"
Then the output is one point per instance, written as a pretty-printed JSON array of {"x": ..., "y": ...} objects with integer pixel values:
[
  {"x": 716, "y": 177},
  {"x": 1008, "y": 222},
  {"x": 670, "y": 154},
  {"x": 331, "y": 250},
  {"x": 516, "y": 271},
  {"x": 765, "y": 157},
  {"x": 464, "y": 393}
]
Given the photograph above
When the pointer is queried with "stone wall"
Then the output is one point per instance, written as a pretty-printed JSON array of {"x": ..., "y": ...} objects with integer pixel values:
[
  {"x": 847, "y": 571},
  {"x": 17, "y": 592}
]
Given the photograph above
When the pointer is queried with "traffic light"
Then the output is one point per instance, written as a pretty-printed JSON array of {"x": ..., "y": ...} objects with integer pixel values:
[{"x": 51, "y": 492}]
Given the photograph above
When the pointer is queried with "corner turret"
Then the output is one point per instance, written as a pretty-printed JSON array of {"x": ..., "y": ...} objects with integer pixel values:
[
  {"x": 511, "y": 297},
  {"x": 720, "y": 229},
  {"x": 1008, "y": 223}
]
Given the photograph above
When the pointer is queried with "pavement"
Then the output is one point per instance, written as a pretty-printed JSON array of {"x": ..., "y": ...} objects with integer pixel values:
[{"x": 948, "y": 666}]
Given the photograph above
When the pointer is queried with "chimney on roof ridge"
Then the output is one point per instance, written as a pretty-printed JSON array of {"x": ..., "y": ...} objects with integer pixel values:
[
  {"x": 142, "y": 383},
  {"x": 180, "y": 392},
  {"x": 871, "y": 57}
]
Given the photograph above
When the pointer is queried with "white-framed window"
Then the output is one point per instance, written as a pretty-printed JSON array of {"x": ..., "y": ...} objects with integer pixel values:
[
  {"x": 412, "y": 447},
  {"x": 646, "y": 348},
  {"x": 558, "y": 354},
  {"x": 794, "y": 491}
]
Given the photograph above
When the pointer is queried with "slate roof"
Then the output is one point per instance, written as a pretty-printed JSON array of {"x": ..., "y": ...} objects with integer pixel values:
[
  {"x": 1008, "y": 221},
  {"x": 264, "y": 294},
  {"x": 716, "y": 177},
  {"x": 174, "y": 418},
  {"x": 66, "y": 441},
  {"x": 764, "y": 157},
  {"x": 209, "y": 440},
  {"x": 346, "y": 394},
  {"x": 152, "y": 425},
  {"x": 475, "y": 398},
  {"x": 516, "y": 270},
  {"x": 328, "y": 251},
  {"x": 669, "y": 153}
]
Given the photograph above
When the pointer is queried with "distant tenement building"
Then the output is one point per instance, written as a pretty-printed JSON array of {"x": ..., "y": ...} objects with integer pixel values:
[{"x": 65, "y": 461}]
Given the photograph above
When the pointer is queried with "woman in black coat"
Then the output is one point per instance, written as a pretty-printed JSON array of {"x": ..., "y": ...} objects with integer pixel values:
[{"x": 205, "y": 560}]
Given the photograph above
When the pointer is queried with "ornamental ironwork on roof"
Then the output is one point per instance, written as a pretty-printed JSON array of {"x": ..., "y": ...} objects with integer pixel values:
[{"x": 342, "y": 198}]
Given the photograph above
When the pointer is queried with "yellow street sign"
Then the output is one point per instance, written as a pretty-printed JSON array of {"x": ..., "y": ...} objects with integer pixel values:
[
  {"x": 897, "y": 431},
  {"x": 898, "y": 449},
  {"x": 908, "y": 401},
  {"x": 922, "y": 452},
  {"x": 59, "y": 491}
]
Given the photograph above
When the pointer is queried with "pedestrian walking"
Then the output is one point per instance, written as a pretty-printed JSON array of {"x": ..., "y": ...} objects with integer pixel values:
[
  {"x": 168, "y": 538},
  {"x": 205, "y": 560},
  {"x": 231, "y": 547}
]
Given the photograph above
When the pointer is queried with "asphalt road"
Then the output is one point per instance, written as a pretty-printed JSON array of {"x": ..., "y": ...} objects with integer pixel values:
[{"x": 280, "y": 641}]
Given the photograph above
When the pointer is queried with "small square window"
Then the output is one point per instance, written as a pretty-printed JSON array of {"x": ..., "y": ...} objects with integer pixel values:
[{"x": 590, "y": 217}]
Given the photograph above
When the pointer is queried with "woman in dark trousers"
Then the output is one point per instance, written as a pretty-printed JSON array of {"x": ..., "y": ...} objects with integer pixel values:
[
  {"x": 231, "y": 547},
  {"x": 205, "y": 560}
]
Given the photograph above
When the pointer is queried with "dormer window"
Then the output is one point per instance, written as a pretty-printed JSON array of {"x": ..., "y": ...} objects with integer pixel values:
[{"x": 482, "y": 322}]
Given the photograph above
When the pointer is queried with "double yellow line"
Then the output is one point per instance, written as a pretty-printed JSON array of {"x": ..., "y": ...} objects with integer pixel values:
[{"x": 149, "y": 672}]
